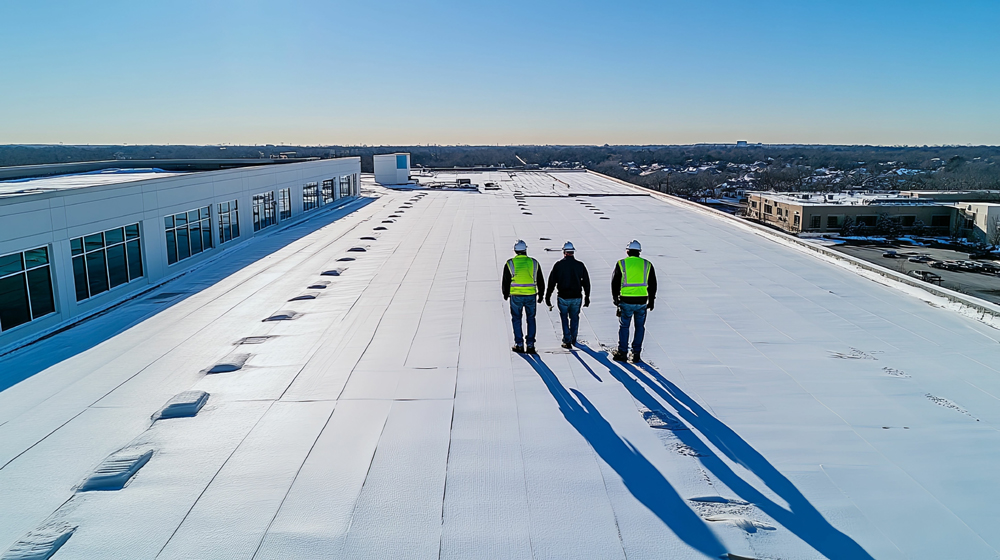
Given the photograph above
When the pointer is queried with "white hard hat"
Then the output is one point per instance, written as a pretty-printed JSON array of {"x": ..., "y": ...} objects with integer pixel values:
[
  {"x": 568, "y": 246},
  {"x": 634, "y": 246},
  {"x": 520, "y": 245}
]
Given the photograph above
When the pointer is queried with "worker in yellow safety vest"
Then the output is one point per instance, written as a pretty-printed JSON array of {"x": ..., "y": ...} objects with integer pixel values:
[
  {"x": 633, "y": 288},
  {"x": 524, "y": 284}
]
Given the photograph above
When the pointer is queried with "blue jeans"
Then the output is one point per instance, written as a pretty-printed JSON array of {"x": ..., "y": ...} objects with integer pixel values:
[
  {"x": 569, "y": 312},
  {"x": 525, "y": 304},
  {"x": 629, "y": 310}
]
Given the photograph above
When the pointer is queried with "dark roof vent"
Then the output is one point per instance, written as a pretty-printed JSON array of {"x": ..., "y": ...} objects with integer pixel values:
[
  {"x": 234, "y": 362},
  {"x": 182, "y": 405},
  {"x": 115, "y": 472}
]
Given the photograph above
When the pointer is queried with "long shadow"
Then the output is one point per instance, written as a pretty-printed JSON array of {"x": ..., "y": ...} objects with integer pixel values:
[
  {"x": 79, "y": 337},
  {"x": 801, "y": 518},
  {"x": 642, "y": 479}
]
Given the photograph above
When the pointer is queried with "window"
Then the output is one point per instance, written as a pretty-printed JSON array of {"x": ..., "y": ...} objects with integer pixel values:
[
  {"x": 310, "y": 197},
  {"x": 346, "y": 186},
  {"x": 832, "y": 222},
  {"x": 263, "y": 211},
  {"x": 867, "y": 220},
  {"x": 106, "y": 260},
  {"x": 328, "y": 191},
  {"x": 753, "y": 204},
  {"x": 25, "y": 287},
  {"x": 941, "y": 221},
  {"x": 188, "y": 234},
  {"x": 907, "y": 221},
  {"x": 400, "y": 161},
  {"x": 284, "y": 204},
  {"x": 767, "y": 209},
  {"x": 229, "y": 221},
  {"x": 815, "y": 222},
  {"x": 795, "y": 221}
]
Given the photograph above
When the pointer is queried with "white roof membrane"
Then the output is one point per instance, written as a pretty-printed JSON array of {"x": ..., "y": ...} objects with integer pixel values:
[{"x": 788, "y": 408}]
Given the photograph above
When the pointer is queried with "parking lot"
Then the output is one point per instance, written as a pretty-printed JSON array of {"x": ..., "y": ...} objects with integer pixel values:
[{"x": 984, "y": 286}]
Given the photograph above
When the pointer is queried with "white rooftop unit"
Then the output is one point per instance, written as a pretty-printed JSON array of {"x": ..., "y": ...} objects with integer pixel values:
[{"x": 392, "y": 169}]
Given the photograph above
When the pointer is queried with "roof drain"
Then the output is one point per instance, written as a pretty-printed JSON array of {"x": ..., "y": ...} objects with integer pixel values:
[
  {"x": 234, "y": 362},
  {"x": 356, "y": 250},
  {"x": 321, "y": 285},
  {"x": 41, "y": 543},
  {"x": 368, "y": 238},
  {"x": 380, "y": 228},
  {"x": 115, "y": 472},
  {"x": 305, "y": 296},
  {"x": 333, "y": 272},
  {"x": 182, "y": 405}
]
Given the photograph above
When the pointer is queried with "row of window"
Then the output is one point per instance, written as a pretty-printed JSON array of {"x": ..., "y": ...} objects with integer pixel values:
[
  {"x": 269, "y": 209},
  {"x": 105, "y": 260}
]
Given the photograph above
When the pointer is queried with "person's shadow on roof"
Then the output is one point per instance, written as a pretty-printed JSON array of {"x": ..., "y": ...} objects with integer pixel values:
[
  {"x": 801, "y": 518},
  {"x": 642, "y": 479}
]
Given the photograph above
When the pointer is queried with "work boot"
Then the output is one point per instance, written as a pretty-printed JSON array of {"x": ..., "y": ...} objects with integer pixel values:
[
  {"x": 619, "y": 356},
  {"x": 567, "y": 345},
  {"x": 518, "y": 348},
  {"x": 530, "y": 350},
  {"x": 636, "y": 358}
]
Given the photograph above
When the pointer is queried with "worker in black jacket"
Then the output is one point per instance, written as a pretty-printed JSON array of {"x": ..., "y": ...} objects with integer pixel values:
[
  {"x": 570, "y": 276},
  {"x": 633, "y": 289}
]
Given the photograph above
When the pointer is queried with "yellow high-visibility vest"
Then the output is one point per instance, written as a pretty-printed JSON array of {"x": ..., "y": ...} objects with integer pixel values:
[
  {"x": 523, "y": 272},
  {"x": 635, "y": 276}
]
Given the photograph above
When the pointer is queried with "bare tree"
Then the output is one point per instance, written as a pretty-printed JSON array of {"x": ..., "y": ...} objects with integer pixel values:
[{"x": 993, "y": 232}]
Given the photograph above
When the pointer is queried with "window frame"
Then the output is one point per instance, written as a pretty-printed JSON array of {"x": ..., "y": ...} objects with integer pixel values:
[
  {"x": 175, "y": 226},
  {"x": 25, "y": 272},
  {"x": 82, "y": 255}
]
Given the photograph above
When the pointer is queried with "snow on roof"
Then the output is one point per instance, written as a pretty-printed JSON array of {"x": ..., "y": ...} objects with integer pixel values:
[
  {"x": 844, "y": 199},
  {"x": 79, "y": 180},
  {"x": 787, "y": 408}
]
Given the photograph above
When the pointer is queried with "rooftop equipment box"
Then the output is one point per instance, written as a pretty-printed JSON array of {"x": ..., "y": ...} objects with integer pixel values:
[{"x": 392, "y": 169}]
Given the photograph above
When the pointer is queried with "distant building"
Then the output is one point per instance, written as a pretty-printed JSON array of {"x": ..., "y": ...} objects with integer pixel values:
[
  {"x": 392, "y": 169},
  {"x": 741, "y": 143},
  {"x": 980, "y": 220},
  {"x": 71, "y": 245},
  {"x": 827, "y": 212}
]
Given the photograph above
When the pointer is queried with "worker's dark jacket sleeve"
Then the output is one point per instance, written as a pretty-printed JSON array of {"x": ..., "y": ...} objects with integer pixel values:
[
  {"x": 616, "y": 287},
  {"x": 540, "y": 279},
  {"x": 505, "y": 283}
]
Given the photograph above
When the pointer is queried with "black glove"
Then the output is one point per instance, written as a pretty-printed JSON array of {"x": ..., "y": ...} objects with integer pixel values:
[
  {"x": 540, "y": 298},
  {"x": 586, "y": 301},
  {"x": 649, "y": 305},
  {"x": 505, "y": 297},
  {"x": 548, "y": 302}
]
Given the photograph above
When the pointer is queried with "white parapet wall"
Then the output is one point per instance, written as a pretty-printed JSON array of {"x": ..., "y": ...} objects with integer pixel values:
[
  {"x": 392, "y": 169},
  {"x": 73, "y": 245}
]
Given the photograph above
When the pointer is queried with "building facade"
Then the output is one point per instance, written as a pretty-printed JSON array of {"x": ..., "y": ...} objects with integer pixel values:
[
  {"x": 72, "y": 245},
  {"x": 828, "y": 212}
]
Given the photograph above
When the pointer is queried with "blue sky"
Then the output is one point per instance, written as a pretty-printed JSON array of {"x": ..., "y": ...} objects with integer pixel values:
[{"x": 515, "y": 72}]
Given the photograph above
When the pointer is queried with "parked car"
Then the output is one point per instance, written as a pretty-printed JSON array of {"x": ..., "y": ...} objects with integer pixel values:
[
  {"x": 926, "y": 276},
  {"x": 919, "y": 259},
  {"x": 890, "y": 254},
  {"x": 981, "y": 255}
]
